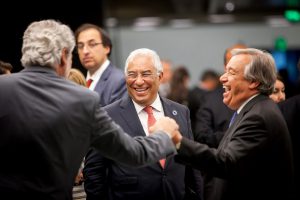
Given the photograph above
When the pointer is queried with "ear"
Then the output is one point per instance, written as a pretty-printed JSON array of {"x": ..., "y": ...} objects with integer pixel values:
[
  {"x": 61, "y": 68},
  {"x": 253, "y": 85},
  {"x": 107, "y": 50},
  {"x": 160, "y": 76},
  {"x": 64, "y": 57}
]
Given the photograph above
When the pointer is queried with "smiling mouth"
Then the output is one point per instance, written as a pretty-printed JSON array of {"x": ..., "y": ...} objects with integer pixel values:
[
  {"x": 226, "y": 88},
  {"x": 141, "y": 89}
]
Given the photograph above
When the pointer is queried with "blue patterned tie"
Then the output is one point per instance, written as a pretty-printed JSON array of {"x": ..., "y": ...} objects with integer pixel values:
[{"x": 232, "y": 118}]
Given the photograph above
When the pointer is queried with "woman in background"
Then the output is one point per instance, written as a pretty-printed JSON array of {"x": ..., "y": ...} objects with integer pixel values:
[
  {"x": 78, "y": 190},
  {"x": 179, "y": 90},
  {"x": 278, "y": 94}
]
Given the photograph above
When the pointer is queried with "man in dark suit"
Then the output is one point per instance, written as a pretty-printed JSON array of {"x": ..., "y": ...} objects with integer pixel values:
[
  {"x": 290, "y": 109},
  {"x": 254, "y": 158},
  {"x": 106, "y": 179},
  {"x": 48, "y": 123},
  {"x": 94, "y": 48},
  {"x": 208, "y": 81}
]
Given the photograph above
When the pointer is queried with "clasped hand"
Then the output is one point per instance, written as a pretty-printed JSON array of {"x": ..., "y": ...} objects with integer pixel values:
[{"x": 169, "y": 126}]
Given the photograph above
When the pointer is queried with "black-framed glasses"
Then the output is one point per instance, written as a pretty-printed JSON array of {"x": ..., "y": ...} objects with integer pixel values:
[{"x": 90, "y": 45}]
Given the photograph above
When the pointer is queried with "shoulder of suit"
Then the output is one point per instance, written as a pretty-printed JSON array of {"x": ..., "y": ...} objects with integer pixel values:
[
  {"x": 115, "y": 104},
  {"x": 172, "y": 103}
]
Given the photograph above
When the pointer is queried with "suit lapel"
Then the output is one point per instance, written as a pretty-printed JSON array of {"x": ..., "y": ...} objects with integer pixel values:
[
  {"x": 169, "y": 111},
  {"x": 247, "y": 108},
  {"x": 231, "y": 130},
  {"x": 128, "y": 113},
  {"x": 101, "y": 85}
]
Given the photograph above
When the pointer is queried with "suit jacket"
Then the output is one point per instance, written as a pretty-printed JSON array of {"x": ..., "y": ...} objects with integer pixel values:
[
  {"x": 254, "y": 158},
  {"x": 290, "y": 109},
  {"x": 212, "y": 119},
  {"x": 47, "y": 125},
  {"x": 151, "y": 182},
  {"x": 195, "y": 101},
  {"x": 111, "y": 86}
]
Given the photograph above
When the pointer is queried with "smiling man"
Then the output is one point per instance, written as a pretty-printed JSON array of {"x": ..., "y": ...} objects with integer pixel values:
[
  {"x": 164, "y": 180},
  {"x": 254, "y": 158}
]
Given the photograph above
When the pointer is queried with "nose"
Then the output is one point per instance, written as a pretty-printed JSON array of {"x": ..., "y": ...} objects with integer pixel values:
[
  {"x": 281, "y": 96},
  {"x": 139, "y": 79},
  {"x": 223, "y": 78},
  {"x": 85, "y": 49}
]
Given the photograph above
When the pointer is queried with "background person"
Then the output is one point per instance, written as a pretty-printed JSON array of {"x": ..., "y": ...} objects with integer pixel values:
[
  {"x": 5, "y": 67},
  {"x": 179, "y": 86},
  {"x": 94, "y": 47},
  {"x": 278, "y": 94},
  {"x": 77, "y": 77},
  {"x": 290, "y": 109},
  {"x": 164, "y": 87}
]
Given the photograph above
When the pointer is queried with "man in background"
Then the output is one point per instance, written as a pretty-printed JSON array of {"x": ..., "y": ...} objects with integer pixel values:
[
  {"x": 208, "y": 81},
  {"x": 164, "y": 87},
  {"x": 94, "y": 47},
  {"x": 290, "y": 109},
  {"x": 213, "y": 116}
]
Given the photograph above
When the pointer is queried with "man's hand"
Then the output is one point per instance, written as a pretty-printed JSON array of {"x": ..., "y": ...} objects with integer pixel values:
[
  {"x": 177, "y": 139},
  {"x": 165, "y": 124}
]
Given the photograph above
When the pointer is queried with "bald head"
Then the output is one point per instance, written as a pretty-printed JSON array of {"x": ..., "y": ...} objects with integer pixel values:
[{"x": 228, "y": 55}]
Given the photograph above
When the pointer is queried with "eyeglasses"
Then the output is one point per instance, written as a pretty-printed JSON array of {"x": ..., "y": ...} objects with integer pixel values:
[
  {"x": 90, "y": 45},
  {"x": 144, "y": 75}
]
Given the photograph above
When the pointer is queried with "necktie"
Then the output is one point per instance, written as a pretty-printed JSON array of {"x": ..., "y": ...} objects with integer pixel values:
[
  {"x": 151, "y": 121},
  {"x": 89, "y": 82},
  {"x": 232, "y": 118}
]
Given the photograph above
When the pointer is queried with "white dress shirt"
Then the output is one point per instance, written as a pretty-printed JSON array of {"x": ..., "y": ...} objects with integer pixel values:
[
  {"x": 143, "y": 116},
  {"x": 97, "y": 75}
]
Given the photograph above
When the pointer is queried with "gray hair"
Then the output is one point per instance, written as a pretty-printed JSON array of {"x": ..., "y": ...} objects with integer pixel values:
[
  {"x": 262, "y": 69},
  {"x": 43, "y": 42},
  {"x": 145, "y": 52}
]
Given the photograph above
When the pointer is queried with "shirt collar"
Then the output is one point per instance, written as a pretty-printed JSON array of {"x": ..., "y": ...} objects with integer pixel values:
[
  {"x": 157, "y": 105},
  {"x": 243, "y": 105},
  {"x": 97, "y": 75}
]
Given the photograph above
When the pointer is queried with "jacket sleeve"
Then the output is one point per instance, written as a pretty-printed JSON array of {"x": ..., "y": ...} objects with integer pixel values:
[{"x": 95, "y": 175}]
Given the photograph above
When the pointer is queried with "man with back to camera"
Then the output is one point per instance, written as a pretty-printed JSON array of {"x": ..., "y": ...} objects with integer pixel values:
[
  {"x": 164, "y": 180},
  {"x": 48, "y": 123},
  {"x": 254, "y": 158}
]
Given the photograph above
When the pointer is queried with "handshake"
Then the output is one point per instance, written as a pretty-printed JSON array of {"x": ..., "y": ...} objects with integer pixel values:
[{"x": 169, "y": 126}]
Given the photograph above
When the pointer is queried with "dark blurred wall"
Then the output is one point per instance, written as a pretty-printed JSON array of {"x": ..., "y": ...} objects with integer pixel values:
[{"x": 14, "y": 24}]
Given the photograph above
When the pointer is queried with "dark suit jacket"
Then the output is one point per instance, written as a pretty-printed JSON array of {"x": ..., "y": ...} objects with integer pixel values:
[
  {"x": 212, "y": 119},
  {"x": 147, "y": 183},
  {"x": 47, "y": 125},
  {"x": 195, "y": 101},
  {"x": 254, "y": 158},
  {"x": 111, "y": 86},
  {"x": 290, "y": 109}
]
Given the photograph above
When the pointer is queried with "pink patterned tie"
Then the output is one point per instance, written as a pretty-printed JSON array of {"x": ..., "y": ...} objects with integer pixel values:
[{"x": 151, "y": 121}]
